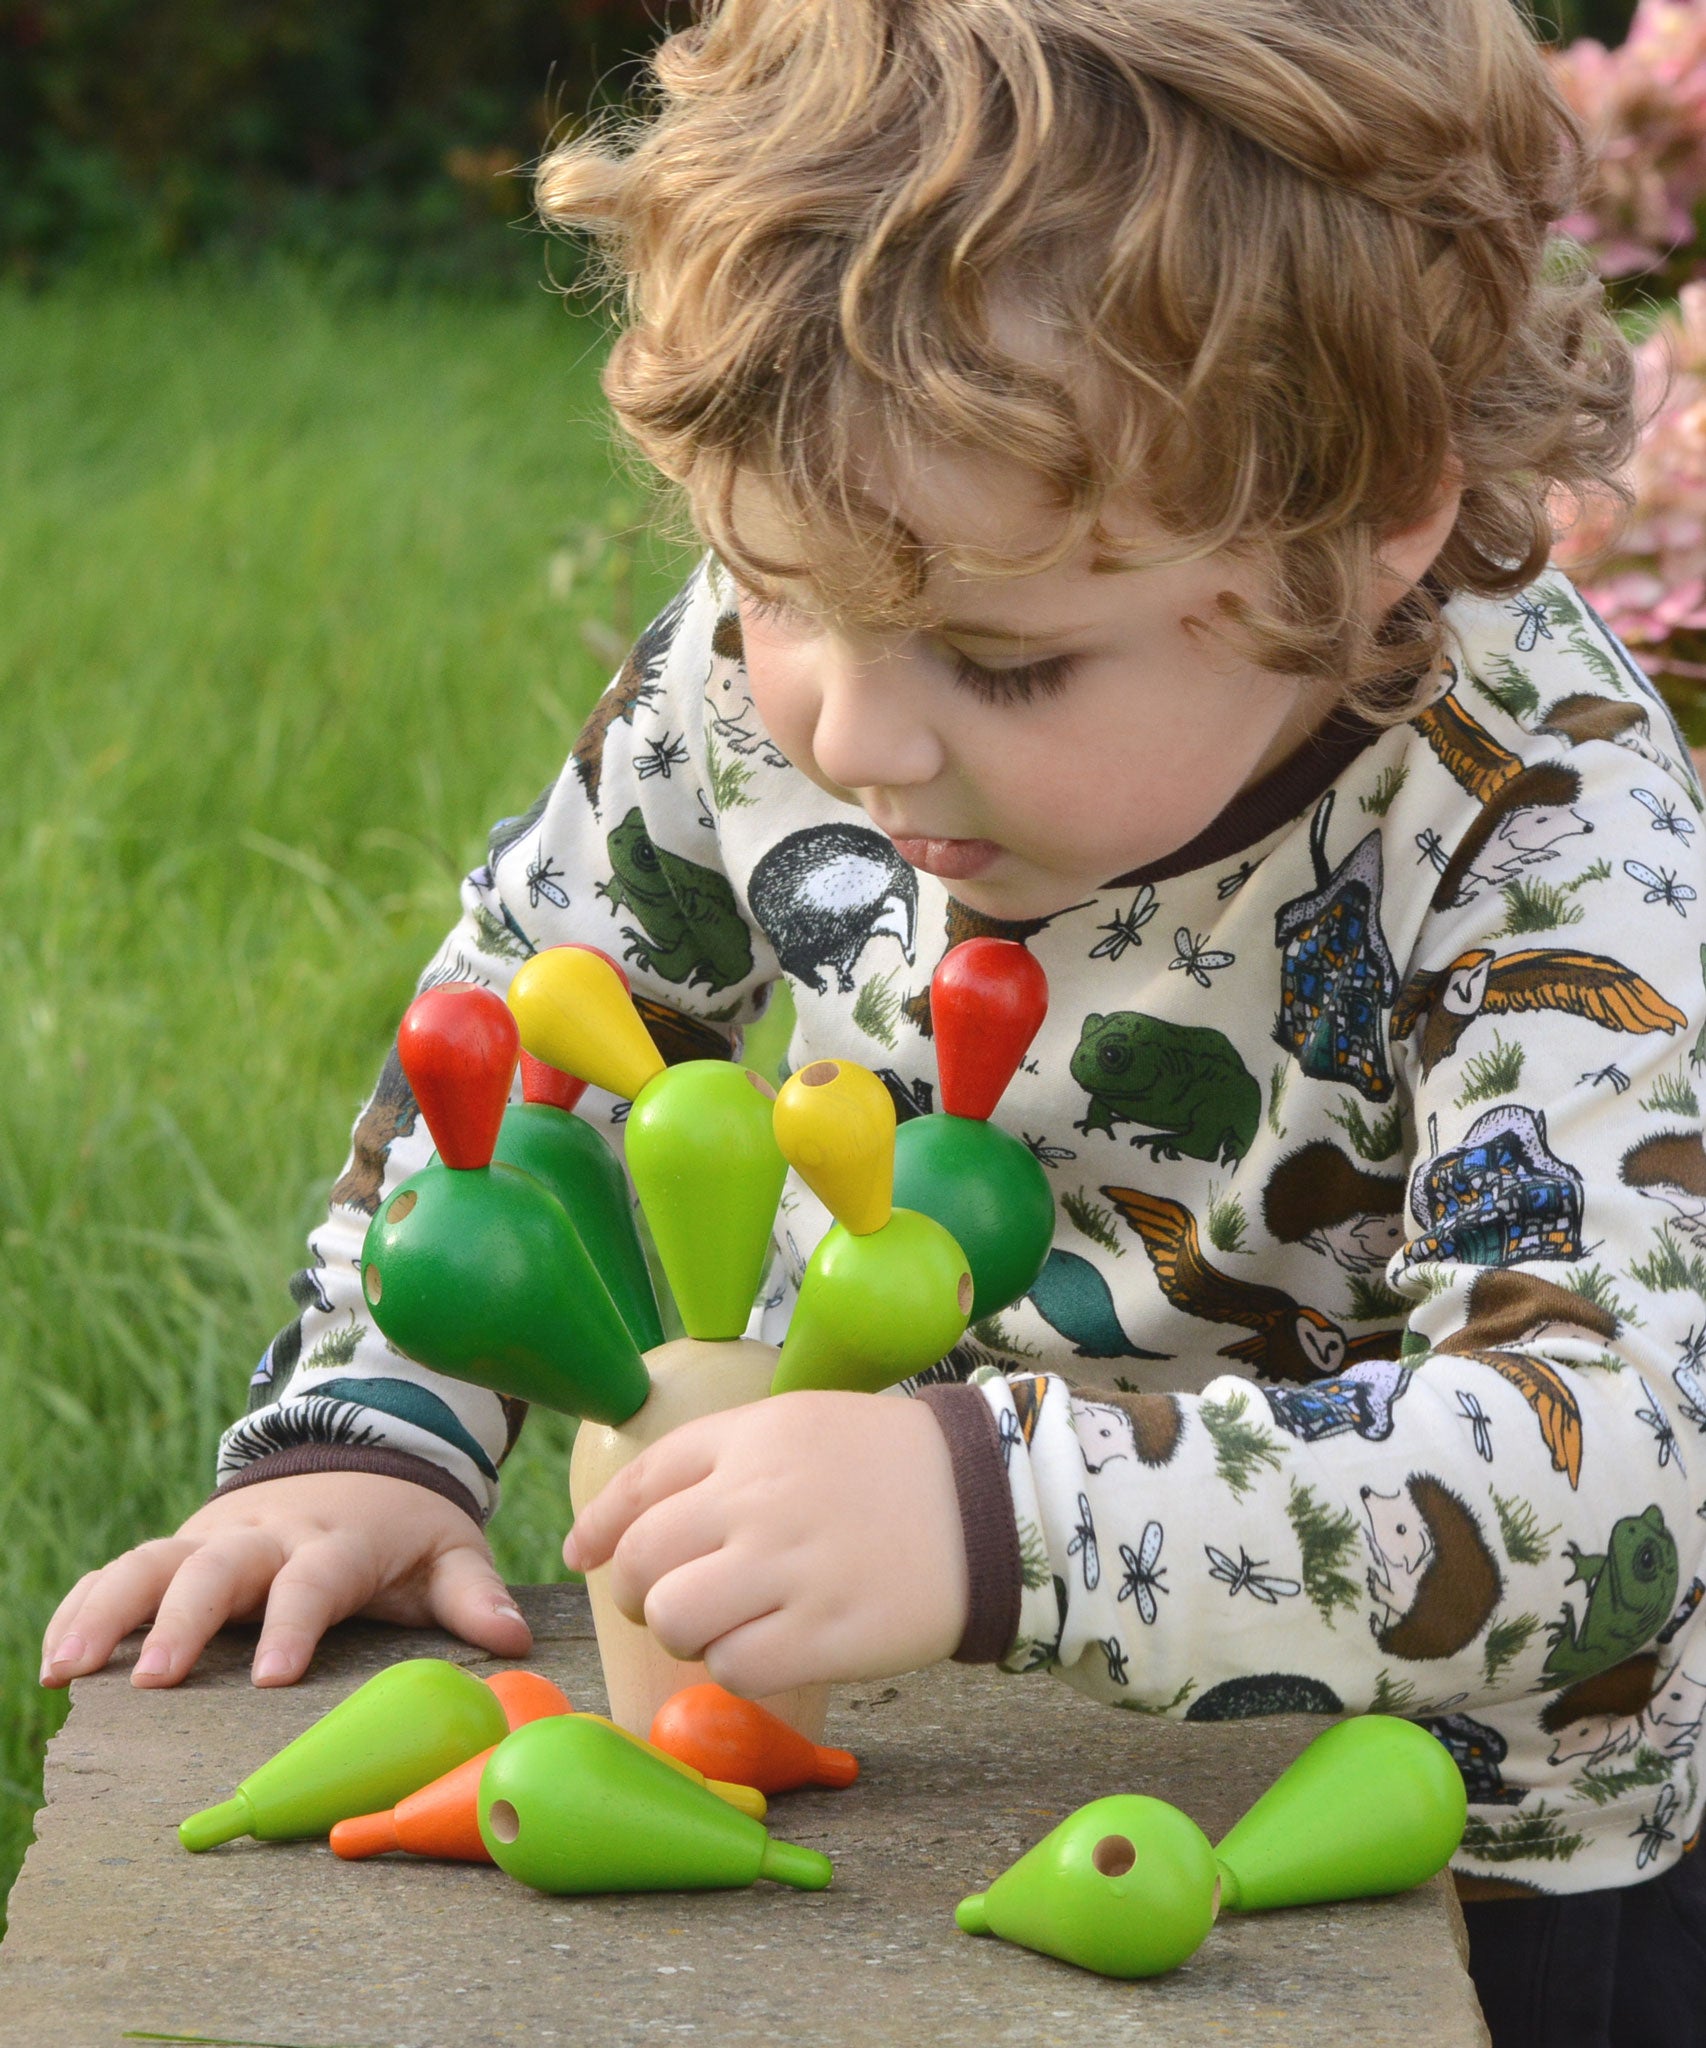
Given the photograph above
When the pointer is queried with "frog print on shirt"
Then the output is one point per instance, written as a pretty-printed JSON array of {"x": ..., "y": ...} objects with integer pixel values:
[
  {"x": 1186, "y": 1080},
  {"x": 689, "y": 927},
  {"x": 1631, "y": 1590}
]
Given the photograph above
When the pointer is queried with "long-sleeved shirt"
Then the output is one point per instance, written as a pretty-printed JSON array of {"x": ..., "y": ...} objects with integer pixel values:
[{"x": 1368, "y": 1367}]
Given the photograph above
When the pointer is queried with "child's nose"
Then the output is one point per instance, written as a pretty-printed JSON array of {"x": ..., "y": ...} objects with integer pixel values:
[{"x": 874, "y": 729}]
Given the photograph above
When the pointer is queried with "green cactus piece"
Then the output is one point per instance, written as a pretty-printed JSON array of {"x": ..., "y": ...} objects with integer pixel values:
[{"x": 406, "y": 1726}]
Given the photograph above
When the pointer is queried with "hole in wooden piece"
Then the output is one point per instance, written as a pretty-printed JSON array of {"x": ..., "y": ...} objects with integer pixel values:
[
  {"x": 1113, "y": 1855},
  {"x": 763, "y": 1086},
  {"x": 371, "y": 1285},
  {"x": 403, "y": 1206},
  {"x": 819, "y": 1074},
  {"x": 966, "y": 1293},
  {"x": 505, "y": 1821}
]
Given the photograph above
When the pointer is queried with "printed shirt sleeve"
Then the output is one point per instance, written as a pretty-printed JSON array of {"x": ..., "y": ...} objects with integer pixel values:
[
  {"x": 620, "y": 852},
  {"x": 1506, "y": 1504}
]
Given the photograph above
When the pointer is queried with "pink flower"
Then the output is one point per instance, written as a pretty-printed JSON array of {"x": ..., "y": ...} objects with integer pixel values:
[
  {"x": 1644, "y": 106},
  {"x": 1649, "y": 582}
]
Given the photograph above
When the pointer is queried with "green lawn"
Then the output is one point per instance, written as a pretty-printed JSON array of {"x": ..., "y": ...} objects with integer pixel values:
[{"x": 298, "y": 592}]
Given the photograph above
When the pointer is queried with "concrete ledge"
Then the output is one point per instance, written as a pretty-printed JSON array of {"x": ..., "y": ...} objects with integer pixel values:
[{"x": 117, "y": 1933}]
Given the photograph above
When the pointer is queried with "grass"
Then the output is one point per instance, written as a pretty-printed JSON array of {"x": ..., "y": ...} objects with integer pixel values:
[{"x": 285, "y": 623}]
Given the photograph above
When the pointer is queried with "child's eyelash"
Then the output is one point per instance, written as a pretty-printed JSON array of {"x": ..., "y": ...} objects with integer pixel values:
[
  {"x": 1013, "y": 685},
  {"x": 771, "y": 608},
  {"x": 989, "y": 685}
]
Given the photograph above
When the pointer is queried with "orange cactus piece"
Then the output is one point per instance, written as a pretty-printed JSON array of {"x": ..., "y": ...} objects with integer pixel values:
[
  {"x": 525, "y": 1696},
  {"x": 441, "y": 1819},
  {"x": 744, "y": 1743}
]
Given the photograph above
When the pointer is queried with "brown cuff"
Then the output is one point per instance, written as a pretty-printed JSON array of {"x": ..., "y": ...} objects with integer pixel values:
[
  {"x": 1476, "y": 1891},
  {"x": 986, "y": 1515},
  {"x": 343, "y": 1458}
]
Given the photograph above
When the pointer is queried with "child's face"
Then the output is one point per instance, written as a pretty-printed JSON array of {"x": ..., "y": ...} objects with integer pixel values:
[{"x": 1054, "y": 732}]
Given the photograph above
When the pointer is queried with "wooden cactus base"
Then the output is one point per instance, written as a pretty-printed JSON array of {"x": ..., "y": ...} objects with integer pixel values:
[{"x": 689, "y": 1378}]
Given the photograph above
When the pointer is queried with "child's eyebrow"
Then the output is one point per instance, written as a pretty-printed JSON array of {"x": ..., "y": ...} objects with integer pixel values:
[
  {"x": 977, "y": 630},
  {"x": 971, "y": 629}
]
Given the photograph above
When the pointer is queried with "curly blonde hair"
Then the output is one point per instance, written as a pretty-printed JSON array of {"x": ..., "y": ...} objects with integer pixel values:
[{"x": 1298, "y": 257}]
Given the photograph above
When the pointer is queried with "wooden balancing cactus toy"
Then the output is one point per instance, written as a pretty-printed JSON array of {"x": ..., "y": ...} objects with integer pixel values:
[
  {"x": 512, "y": 1260},
  {"x": 1129, "y": 1886},
  {"x": 708, "y": 1147}
]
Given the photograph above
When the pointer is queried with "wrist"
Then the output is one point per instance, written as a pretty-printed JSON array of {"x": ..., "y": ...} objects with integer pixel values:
[{"x": 300, "y": 1460}]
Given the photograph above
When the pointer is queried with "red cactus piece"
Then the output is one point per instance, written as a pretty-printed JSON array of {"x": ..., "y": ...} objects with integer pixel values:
[
  {"x": 542, "y": 1082},
  {"x": 988, "y": 999},
  {"x": 458, "y": 1044}
]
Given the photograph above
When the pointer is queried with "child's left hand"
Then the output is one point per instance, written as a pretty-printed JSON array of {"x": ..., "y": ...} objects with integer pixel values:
[{"x": 807, "y": 1537}]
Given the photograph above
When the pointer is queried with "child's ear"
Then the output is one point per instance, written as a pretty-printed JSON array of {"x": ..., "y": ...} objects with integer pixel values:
[{"x": 1407, "y": 553}]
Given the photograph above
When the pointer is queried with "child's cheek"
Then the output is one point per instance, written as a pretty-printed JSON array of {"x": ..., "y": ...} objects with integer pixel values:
[{"x": 785, "y": 694}]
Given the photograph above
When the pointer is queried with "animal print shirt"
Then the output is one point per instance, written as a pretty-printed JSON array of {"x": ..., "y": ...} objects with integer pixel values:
[{"x": 1368, "y": 1370}]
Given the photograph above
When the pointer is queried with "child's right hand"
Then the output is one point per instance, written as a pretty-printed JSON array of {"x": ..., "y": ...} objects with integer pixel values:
[{"x": 302, "y": 1552}]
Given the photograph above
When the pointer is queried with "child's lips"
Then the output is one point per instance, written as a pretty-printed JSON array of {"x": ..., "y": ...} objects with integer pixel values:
[{"x": 953, "y": 860}]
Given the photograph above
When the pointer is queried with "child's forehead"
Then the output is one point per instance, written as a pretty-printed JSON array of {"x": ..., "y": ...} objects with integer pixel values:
[{"x": 964, "y": 507}]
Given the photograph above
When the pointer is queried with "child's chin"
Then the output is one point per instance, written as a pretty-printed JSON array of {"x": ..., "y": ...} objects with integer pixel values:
[{"x": 1012, "y": 896}]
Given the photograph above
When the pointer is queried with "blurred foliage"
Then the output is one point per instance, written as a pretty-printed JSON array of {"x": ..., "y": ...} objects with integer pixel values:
[
  {"x": 284, "y": 628},
  {"x": 1607, "y": 21},
  {"x": 134, "y": 132},
  {"x": 137, "y": 131}
]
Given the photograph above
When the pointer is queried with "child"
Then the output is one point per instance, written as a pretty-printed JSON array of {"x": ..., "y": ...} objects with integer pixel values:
[{"x": 1123, "y": 431}]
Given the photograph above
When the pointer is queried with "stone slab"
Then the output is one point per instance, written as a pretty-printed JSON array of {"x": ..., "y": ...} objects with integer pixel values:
[{"x": 117, "y": 1933}]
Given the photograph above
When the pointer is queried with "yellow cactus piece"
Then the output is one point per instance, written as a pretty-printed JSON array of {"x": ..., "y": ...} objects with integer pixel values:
[
  {"x": 835, "y": 1125},
  {"x": 574, "y": 1013}
]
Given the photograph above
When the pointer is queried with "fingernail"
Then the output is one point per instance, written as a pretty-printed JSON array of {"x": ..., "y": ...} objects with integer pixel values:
[
  {"x": 272, "y": 1664},
  {"x": 571, "y": 1552},
  {"x": 69, "y": 1652},
  {"x": 507, "y": 1611},
  {"x": 154, "y": 1662}
]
